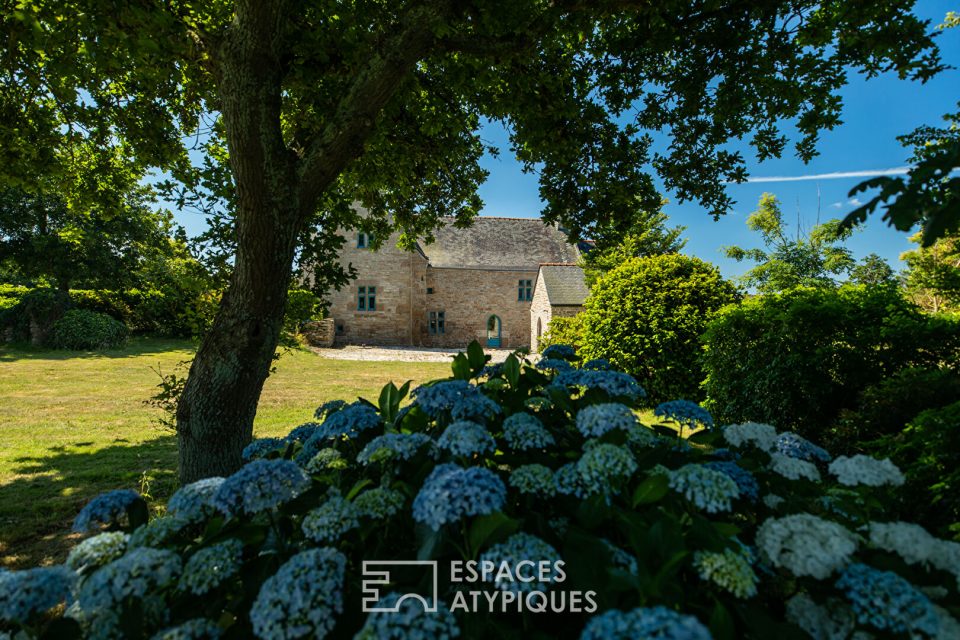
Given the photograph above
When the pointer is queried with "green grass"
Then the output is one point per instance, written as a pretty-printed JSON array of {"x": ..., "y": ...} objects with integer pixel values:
[{"x": 74, "y": 424}]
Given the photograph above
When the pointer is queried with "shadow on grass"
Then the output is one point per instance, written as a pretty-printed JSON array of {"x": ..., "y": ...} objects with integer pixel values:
[
  {"x": 138, "y": 346},
  {"x": 38, "y": 507}
]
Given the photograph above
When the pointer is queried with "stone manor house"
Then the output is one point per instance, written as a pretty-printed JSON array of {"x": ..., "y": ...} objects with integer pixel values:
[{"x": 500, "y": 281}]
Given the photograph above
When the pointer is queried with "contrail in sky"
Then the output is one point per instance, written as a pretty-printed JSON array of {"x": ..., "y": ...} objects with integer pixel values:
[{"x": 896, "y": 171}]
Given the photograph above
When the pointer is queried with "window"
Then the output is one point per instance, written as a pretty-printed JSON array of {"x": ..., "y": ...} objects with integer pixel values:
[
  {"x": 366, "y": 298},
  {"x": 437, "y": 322},
  {"x": 364, "y": 240},
  {"x": 429, "y": 291},
  {"x": 525, "y": 291},
  {"x": 340, "y": 329}
]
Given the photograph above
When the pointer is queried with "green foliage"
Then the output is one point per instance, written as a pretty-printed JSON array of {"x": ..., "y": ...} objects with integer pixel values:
[
  {"x": 647, "y": 316},
  {"x": 660, "y": 529},
  {"x": 798, "y": 358},
  {"x": 562, "y": 330},
  {"x": 928, "y": 450},
  {"x": 648, "y": 235},
  {"x": 82, "y": 330},
  {"x": 884, "y": 408},
  {"x": 815, "y": 260},
  {"x": 873, "y": 271},
  {"x": 932, "y": 278},
  {"x": 34, "y": 313},
  {"x": 302, "y": 306}
]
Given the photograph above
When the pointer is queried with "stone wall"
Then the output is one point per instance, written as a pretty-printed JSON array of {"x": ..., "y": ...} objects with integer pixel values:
[
  {"x": 540, "y": 314},
  {"x": 394, "y": 274},
  {"x": 468, "y": 297},
  {"x": 319, "y": 333}
]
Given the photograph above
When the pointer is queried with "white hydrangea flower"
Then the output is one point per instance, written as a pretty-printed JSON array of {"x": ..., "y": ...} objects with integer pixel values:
[
  {"x": 948, "y": 627},
  {"x": 861, "y": 469},
  {"x": 793, "y": 468},
  {"x": 806, "y": 545},
  {"x": 832, "y": 621},
  {"x": 728, "y": 570},
  {"x": 915, "y": 545},
  {"x": 772, "y": 500},
  {"x": 762, "y": 436}
]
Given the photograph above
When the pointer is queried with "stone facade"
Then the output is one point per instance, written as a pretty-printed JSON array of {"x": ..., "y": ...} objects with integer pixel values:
[
  {"x": 559, "y": 293},
  {"x": 467, "y": 275}
]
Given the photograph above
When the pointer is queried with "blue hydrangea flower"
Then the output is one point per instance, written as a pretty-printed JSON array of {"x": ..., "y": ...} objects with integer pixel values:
[
  {"x": 457, "y": 399},
  {"x": 393, "y": 445},
  {"x": 492, "y": 370},
  {"x": 349, "y": 422},
  {"x": 328, "y": 458},
  {"x": 451, "y": 492},
  {"x": 561, "y": 351},
  {"x": 598, "y": 419},
  {"x": 380, "y": 503},
  {"x": 887, "y": 602},
  {"x": 138, "y": 574},
  {"x": 192, "y": 502},
  {"x": 302, "y": 599},
  {"x": 209, "y": 567},
  {"x": 196, "y": 629},
  {"x": 534, "y": 479},
  {"x": 106, "y": 509},
  {"x": 464, "y": 438},
  {"x": 262, "y": 447},
  {"x": 654, "y": 622},
  {"x": 746, "y": 483},
  {"x": 302, "y": 433},
  {"x": 330, "y": 520},
  {"x": 524, "y": 431},
  {"x": 597, "y": 364},
  {"x": 260, "y": 486},
  {"x": 685, "y": 413},
  {"x": 725, "y": 454},
  {"x": 522, "y": 546},
  {"x": 158, "y": 532},
  {"x": 597, "y": 471},
  {"x": 616, "y": 384},
  {"x": 553, "y": 364},
  {"x": 327, "y": 409},
  {"x": 24, "y": 594},
  {"x": 790, "y": 444},
  {"x": 411, "y": 621},
  {"x": 97, "y": 551},
  {"x": 708, "y": 489},
  {"x": 620, "y": 559}
]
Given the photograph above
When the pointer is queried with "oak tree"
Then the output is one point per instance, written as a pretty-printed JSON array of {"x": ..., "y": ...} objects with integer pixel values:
[{"x": 292, "y": 111}]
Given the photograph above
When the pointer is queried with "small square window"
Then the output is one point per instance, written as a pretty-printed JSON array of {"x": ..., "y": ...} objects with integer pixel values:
[
  {"x": 340, "y": 329},
  {"x": 429, "y": 290}
]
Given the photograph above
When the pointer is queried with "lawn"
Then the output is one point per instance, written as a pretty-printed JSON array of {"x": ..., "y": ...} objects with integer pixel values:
[{"x": 75, "y": 424}]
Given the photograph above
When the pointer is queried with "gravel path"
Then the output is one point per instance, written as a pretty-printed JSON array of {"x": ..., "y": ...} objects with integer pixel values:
[{"x": 400, "y": 354}]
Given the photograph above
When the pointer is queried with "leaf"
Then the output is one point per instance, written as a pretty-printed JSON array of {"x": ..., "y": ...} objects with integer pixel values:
[
  {"x": 650, "y": 490},
  {"x": 490, "y": 527},
  {"x": 389, "y": 402},
  {"x": 721, "y": 623},
  {"x": 357, "y": 488},
  {"x": 511, "y": 369},
  {"x": 476, "y": 357},
  {"x": 461, "y": 367}
]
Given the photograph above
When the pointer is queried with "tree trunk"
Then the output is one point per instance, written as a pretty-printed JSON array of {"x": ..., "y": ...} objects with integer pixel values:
[{"x": 219, "y": 402}]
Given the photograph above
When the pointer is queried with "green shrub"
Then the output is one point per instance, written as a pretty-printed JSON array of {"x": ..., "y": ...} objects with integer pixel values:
[
  {"x": 928, "y": 449},
  {"x": 34, "y": 314},
  {"x": 746, "y": 540},
  {"x": 647, "y": 316},
  {"x": 562, "y": 330},
  {"x": 884, "y": 408},
  {"x": 797, "y": 359},
  {"x": 82, "y": 330},
  {"x": 302, "y": 306}
]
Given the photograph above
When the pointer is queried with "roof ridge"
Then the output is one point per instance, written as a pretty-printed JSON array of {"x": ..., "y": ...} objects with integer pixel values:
[
  {"x": 559, "y": 264},
  {"x": 540, "y": 220}
]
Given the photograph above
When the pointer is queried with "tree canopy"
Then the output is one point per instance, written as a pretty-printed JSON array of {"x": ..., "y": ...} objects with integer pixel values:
[
  {"x": 932, "y": 277},
  {"x": 813, "y": 259},
  {"x": 284, "y": 114}
]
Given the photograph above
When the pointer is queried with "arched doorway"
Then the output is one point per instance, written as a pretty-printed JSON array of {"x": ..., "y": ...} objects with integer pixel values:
[{"x": 494, "y": 329}]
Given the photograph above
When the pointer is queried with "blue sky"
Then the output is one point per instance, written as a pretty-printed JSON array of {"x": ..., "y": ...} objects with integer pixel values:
[{"x": 875, "y": 112}]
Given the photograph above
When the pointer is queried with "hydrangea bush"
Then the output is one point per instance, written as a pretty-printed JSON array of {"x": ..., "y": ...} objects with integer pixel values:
[{"x": 736, "y": 531}]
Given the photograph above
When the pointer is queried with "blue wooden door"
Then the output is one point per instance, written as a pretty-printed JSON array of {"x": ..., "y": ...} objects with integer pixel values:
[{"x": 493, "y": 332}]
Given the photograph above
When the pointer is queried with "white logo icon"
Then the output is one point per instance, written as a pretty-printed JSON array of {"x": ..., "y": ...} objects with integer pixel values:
[{"x": 377, "y": 572}]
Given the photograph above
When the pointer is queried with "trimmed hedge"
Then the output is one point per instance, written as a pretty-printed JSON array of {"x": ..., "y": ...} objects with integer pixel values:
[
  {"x": 83, "y": 330},
  {"x": 797, "y": 359}
]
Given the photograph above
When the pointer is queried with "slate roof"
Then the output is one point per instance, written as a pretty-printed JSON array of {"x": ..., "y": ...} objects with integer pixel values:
[
  {"x": 508, "y": 244},
  {"x": 565, "y": 284}
]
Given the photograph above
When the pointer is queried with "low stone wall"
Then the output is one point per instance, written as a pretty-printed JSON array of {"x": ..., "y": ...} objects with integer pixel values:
[{"x": 319, "y": 333}]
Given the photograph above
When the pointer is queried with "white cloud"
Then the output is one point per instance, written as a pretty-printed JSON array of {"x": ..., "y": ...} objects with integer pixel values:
[
  {"x": 854, "y": 202},
  {"x": 837, "y": 205},
  {"x": 895, "y": 171}
]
